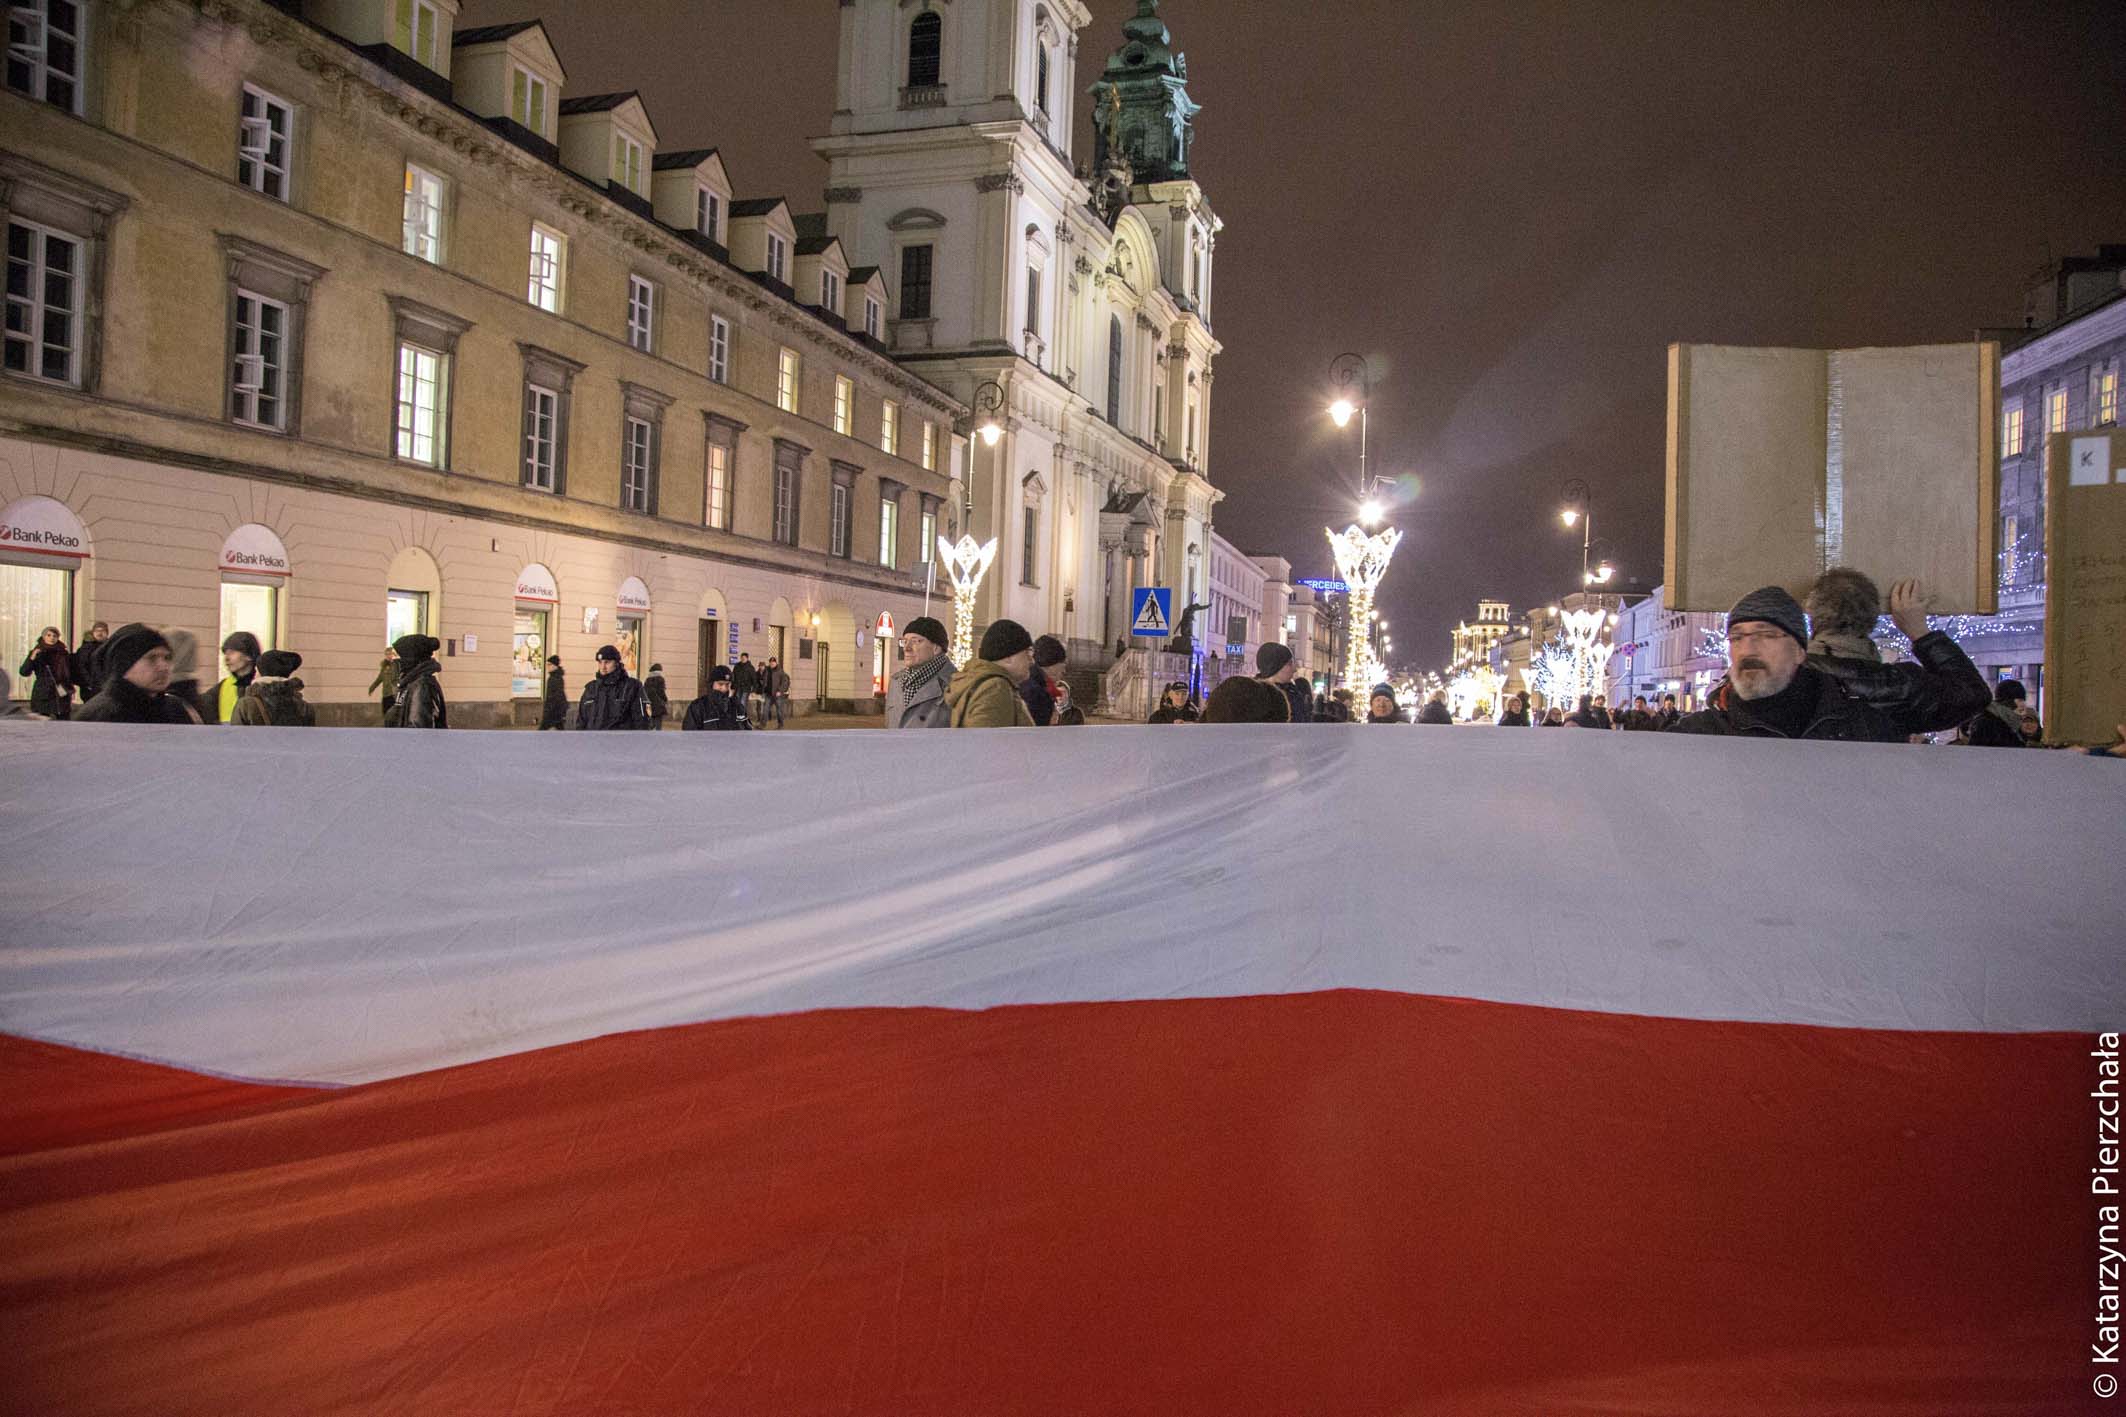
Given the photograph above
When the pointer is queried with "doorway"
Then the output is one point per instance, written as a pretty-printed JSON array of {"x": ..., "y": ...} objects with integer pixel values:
[{"x": 710, "y": 651}]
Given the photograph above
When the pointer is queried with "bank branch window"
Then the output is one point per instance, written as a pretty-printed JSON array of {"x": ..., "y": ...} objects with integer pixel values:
[
  {"x": 251, "y": 606},
  {"x": 32, "y": 597},
  {"x": 528, "y": 652}
]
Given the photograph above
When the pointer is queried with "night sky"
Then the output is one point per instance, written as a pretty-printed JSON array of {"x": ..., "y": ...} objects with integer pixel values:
[{"x": 1511, "y": 209}]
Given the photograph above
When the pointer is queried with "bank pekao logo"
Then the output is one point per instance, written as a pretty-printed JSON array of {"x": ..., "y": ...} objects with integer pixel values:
[{"x": 38, "y": 538}]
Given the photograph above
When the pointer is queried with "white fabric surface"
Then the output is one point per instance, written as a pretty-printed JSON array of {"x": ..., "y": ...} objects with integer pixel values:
[{"x": 343, "y": 905}]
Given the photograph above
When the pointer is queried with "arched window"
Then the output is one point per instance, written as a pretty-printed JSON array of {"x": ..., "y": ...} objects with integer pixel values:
[
  {"x": 1040, "y": 78},
  {"x": 1114, "y": 370},
  {"x": 926, "y": 50}
]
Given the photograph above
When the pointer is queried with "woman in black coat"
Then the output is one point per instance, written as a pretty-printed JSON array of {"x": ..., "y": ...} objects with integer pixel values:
[
  {"x": 554, "y": 712},
  {"x": 50, "y": 670}
]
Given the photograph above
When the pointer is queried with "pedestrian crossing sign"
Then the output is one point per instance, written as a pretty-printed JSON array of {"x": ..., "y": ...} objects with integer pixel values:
[{"x": 1151, "y": 612}]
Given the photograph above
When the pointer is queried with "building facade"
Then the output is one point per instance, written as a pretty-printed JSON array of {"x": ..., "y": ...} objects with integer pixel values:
[
  {"x": 1070, "y": 311},
  {"x": 1656, "y": 651},
  {"x": 1473, "y": 640},
  {"x": 1236, "y": 593},
  {"x": 2060, "y": 375},
  {"x": 329, "y": 324}
]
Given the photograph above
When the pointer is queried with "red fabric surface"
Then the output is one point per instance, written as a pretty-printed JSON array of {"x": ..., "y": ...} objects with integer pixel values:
[{"x": 1329, "y": 1203}]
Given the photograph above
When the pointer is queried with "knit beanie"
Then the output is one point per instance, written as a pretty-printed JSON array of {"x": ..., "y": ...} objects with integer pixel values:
[
  {"x": 2010, "y": 691},
  {"x": 415, "y": 648},
  {"x": 1048, "y": 652},
  {"x": 126, "y": 647},
  {"x": 929, "y": 629},
  {"x": 244, "y": 643},
  {"x": 609, "y": 652},
  {"x": 1003, "y": 639},
  {"x": 1773, "y": 606},
  {"x": 279, "y": 663},
  {"x": 719, "y": 675},
  {"x": 1272, "y": 658},
  {"x": 1244, "y": 700}
]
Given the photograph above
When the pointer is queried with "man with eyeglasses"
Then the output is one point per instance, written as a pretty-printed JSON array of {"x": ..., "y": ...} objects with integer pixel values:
[{"x": 1771, "y": 692}]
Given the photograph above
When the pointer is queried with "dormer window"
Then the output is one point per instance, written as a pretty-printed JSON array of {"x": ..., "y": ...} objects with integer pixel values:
[
  {"x": 708, "y": 214},
  {"x": 416, "y": 26},
  {"x": 926, "y": 50},
  {"x": 527, "y": 100},
  {"x": 830, "y": 292},
  {"x": 778, "y": 258},
  {"x": 871, "y": 317},
  {"x": 627, "y": 162}
]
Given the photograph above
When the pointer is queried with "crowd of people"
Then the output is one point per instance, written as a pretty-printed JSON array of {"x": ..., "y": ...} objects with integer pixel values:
[{"x": 1794, "y": 671}]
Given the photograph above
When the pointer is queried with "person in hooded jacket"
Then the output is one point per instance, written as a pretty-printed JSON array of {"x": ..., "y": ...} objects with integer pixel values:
[
  {"x": 275, "y": 698},
  {"x": 418, "y": 701},
  {"x": 136, "y": 675},
  {"x": 612, "y": 700},
  {"x": 49, "y": 666},
  {"x": 553, "y": 711},
  {"x": 985, "y": 694},
  {"x": 719, "y": 710},
  {"x": 1772, "y": 692},
  {"x": 915, "y": 698},
  {"x": 657, "y": 697},
  {"x": 1174, "y": 706},
  {"x": 1938, "y": 688},
  {"x": 239, "y": 655},
  {"x": 1516, "y": 714}
]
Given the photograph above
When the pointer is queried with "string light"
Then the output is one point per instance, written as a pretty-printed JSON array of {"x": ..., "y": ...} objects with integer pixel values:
[
  {"x": 966, "y": 563},
  {"x": 1361, "y": 560}
]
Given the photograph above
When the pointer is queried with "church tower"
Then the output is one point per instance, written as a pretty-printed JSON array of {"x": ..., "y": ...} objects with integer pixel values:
[{"x": 1142, "y": 113}]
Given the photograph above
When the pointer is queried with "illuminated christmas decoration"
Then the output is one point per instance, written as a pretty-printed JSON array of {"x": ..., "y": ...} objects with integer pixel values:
[
  {"x": 1590, "y": 652},
  {"x": 1474, "y": 691},
  {"x": 966, "y": 564},
  {"x": 1551, "y": 674},
  {"x": 1361, "y": 560}
]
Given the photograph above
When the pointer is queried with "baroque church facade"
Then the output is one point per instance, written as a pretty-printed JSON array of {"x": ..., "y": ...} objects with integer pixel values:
[{"x": 1070, "y": 306}]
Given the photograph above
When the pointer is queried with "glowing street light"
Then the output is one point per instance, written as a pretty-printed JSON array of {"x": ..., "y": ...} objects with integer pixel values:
[
  {"x": 1370, "y": 512},
  {"x": 988, "y": 406},
  {"x": 1342, "y": 411}
]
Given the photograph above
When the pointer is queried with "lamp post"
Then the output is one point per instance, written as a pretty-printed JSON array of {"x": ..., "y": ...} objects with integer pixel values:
[
  {"x": 1579, "y": 510},
  {"x": 1362, "y": 556}
]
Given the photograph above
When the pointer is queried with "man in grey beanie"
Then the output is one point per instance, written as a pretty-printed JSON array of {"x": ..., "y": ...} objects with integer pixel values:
[{"x": 1771, "y": 691}]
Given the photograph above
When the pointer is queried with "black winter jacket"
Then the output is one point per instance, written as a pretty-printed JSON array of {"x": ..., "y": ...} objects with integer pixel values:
[
  {"x": 418, "y": 702},
  {"x": 612, "y": 701},
  {"x": 716, "y": 711},
  {"x": 658, "y": 698},
  {"x": 1941, "y": 690},
  {"x": 1434, "y": 713},
  {"x": 553, "y": 712},
  {"x": 1301, "y": 698},
  {"x": 123, "y": 701},
  {"x": 1836, "y": 715}
]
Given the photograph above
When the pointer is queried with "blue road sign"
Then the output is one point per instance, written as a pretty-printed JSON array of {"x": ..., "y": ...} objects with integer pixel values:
[{"x": 1151, "y": 612}]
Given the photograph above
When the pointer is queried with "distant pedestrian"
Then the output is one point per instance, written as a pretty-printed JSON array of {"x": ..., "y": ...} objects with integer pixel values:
[
  {"x": 915, "y": 697},
  {"x": 1068, "y": 714},
  {"x": 417, "y": 699},
  {"x": 1174, "y": 705},
  {"x": 1554, "y": 717},
  {"x": 719, "y": 710},
  {"x": 774, "y": 692},
  {"x": 1999, "y": 725},
  {"x": 88, "y": 669},
  {"x": 553, "y": 710},
  {"x": 49, "y": 667},
  {"x": 655, "y": 695},
  {"x": 1516, "y": 714},
  {"x": 136, "y": 676},
  {"x": 1639, "y": 718},
  {"x": 1600, "y": 711},
  {"x": 1276, "y": 666},
  {"x": 1669, "y": 713},
  {"x": 1244, "y": 700},
  {"x": 985, "y": 693},
  {"x": 387, "y": 680},
  {"x": 612, "y": 700},
  {"x": 1435, "y": 710},
  {"x": 745, "y": 683},
  {"x": 1382, "y": 707},
  {"x": 275, "y": 698},
  {"x": 239, "y": 655},
  {"x": 1039, "y": 690}
]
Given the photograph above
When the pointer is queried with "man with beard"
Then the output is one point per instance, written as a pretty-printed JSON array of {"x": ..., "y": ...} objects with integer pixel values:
[{"x": 1771, "y": 691}]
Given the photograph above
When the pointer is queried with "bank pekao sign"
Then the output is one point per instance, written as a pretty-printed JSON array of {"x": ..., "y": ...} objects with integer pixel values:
[
  {"x": 253, "y": 550},
  {"x": 634, "y": 597},
  {"x": 43, "y": 526},
  {"x": 536, "y": 583}
]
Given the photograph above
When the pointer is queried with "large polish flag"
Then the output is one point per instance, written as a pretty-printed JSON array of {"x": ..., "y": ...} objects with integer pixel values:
[{"x": 1221, "y": 1071}]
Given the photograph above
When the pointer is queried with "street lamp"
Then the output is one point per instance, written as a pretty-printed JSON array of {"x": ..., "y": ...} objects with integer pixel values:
[
  {"x": 988, "y": 405},
  {"x": 1362, "y": 555},
  {"x": 1579, "y": 511}
]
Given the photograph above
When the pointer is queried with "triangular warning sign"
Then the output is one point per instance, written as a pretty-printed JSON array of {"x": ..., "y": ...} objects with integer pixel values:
[{"x": 1151, "y": 620}]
